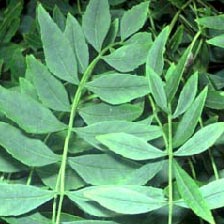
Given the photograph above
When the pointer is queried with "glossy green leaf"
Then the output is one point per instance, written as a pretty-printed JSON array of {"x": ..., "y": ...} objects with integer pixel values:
[
  {"x": 10, "y": 165},
  {"x": 202, "y": 140},
  {"x": 186, "y": 126},
  {"x": 217, "y": 41},
  {"x": 103, "y": 169},
  {"x": 187, "y": 95},
  {"x": 28, "y": 113},
  {"x": 19, "y": 199},
  {"x": 144, "y": 131},
  {"x": 215, "y": 100},
  {"x": 59, "y": 56},
  {"x": 31, "y": 152},
  {"x": 212, "y": 22},
  {"x": 191, "y": 194},
  {"x": 129, "y": 24},
  {"x": 104, "y": 112},
  {"x": 155, "y": 59},
  {"x": 74, "y": 34},
  {"x": 130, "y": 146},
  {"x": 124, "y": 200},
  {"x": 128, "y": 57},
  {"x": 96, "y": 22},
  {"x": 173, "y": 80},
  {"x": 157, "y": 89},
  {"x": 118, "y": 88},
  {"x": 50, "y": 90}
]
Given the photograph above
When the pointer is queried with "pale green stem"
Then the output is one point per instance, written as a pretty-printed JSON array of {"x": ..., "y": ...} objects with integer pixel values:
[
  {"x": 61, "y": 176},
  {"x": 170, "y": 168},
  {"x": 30, "y": 176}
]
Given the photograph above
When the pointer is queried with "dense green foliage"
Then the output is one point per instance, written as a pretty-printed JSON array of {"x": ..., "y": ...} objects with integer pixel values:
[{"x": 111, "y": 112}]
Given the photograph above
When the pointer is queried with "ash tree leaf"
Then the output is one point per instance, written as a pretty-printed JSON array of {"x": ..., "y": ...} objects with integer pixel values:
[
  {"x": 59, "y": 18},
  {"x": 10, "y": 165},
  {"x": 31, "y": 152},
  {"x": 103, "y": 169},
  {"x": 34, "y": 218},
  {"x": 214, "y": 193},
  {"x": 75, "y": 35},
  {"x": 118, "y": 88},
  {"x": 27, "y": 88},
  {"x": 59, "y": 56},
  {"x": 190, "y": 119},
  {"x": 130, "y": 146},
  {"x": 140, "y": 38},
  {"x": 96, "y": 22},
  {"x": 155, "y": 59},
  {"x": 202, "y": 140},
  {"x": 215, "y": 100},
  {"x": 144, "y": 131},
  {"x": 187, "y": 95},
  {"x": 123, "y": 200},
  {"x": 51, "y": 91},
  {"x": 212, "y": 22},
  {"x": 174, "y": 78},
  {"x": 157, "y": 89},
  {"x": 19, "y": 199},
  {"x": 217, "y": 41},
  {"x": 129, "y": 23},
  {"x": 49, "y": 175},
  {"x": 105, "y": 112},
  {"x": 191, "y": 194},
  {"x": 128, "y": 57},
  {"x": 28, "y": 113}
]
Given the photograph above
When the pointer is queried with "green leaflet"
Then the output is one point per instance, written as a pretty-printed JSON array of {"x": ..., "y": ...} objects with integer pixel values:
[
  {"x": 125, "y": 200},
  {"x": 91, "y": 222},
  {"x": 157, "y": 89},
  {"x": 31, "y": 152},
  {"x": 129, "y": 24},
  {"x": 173, "y": 80},
  {"x": 104, "y": 112},
  {"x": 202, "y": 140},
  {"x": 34, "y": 218},
  {"x": 27, "y": 88},
  {"x": 91, "y": 208},
  {"x": 190, "y": 119},
  {"x": 112, "y": 33},
  {"x": 103, "y": 169},
  {"x": 130, "y": 146},
  {"x": 212, "y": 192},
  {"x": 19, "y": 199},
  {"x": 212, "y": 22},
  {"x": 59, "y": 18},
  {"x": 128, "y": 57},
  {"x": 74, "y": 34},
  {"x": 51, "y": 91},
  {"x": 118, "y": 88},
  {"x": 215, "y": 100},
  {"x": 191, "y": 194},
  {"x": 10, "y": 165},
  {"x": 59, "y": 56},
  {"x": 96, "y": 22},
  {"x": 155, "y": 59},
  {"x": 187, "y": 95},
  {"x": 116, "y": 2},
  {"x": 28, "y": 113},
  {"x": 48, "y": 175},
  {"x": 140, "y": 38},
  {"x": 217, "y": 41},
  {"x": 144, "y": 131}
]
